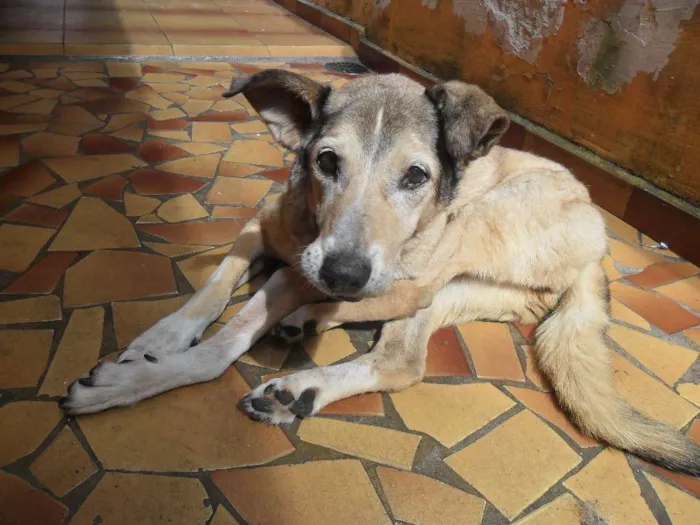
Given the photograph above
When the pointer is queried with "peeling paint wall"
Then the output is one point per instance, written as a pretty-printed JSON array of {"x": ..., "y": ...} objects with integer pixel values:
[{"x": 621, "y": 77}]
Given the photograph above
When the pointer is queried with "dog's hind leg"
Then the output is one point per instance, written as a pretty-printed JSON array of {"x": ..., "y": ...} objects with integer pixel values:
[{"x": 396, "y": 362}]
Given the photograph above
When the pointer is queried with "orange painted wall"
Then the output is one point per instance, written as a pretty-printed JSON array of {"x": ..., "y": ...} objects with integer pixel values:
[{"x": 621, "y": 77}]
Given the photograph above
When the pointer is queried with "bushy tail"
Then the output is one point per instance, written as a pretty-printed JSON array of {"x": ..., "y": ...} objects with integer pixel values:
[{"x": 572, "y": 352}]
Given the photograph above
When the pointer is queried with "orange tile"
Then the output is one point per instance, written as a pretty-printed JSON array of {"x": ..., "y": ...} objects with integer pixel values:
[
  {"x": 34, "y": 310},
  {"x": 663, "y": 273},
  {"x": 9, "y": 151},
  {"x": 632, "y": 256},
  {"x": 156, "y": 150},
  {"x": 233, "y": 169},
  {"x": 533, "y": 371},
  {"x": 211, "y": 132},
  {"x": 26, "y": 180},
  {"x": 686, "y": 292},
  {"x": 153, "y": 182},
  {"x": 37, "y": 216},
  {"x": 132, "y": 318},
  {"x": 117, "y": 49},
  {"x": 196, "y": 232},
  {"x": 492, "y": 350},
  {"x": 50, "y": 145},
  {"x": 109, "y": 188},
  {"x": 445, "y": 355},
  {"x": 23, "y": 504},
  {"x": 73, "y": 120},
  {"x": 693, "y": 334},
  {"x": 246, "y": 192},
  {"x": 43, "y": 277},
  {"x": 362, "y": 405},
  {"x": 657, "y": 309}
]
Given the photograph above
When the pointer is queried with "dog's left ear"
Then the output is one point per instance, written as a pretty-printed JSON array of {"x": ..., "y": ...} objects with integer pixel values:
[
  {"x": 471, "y": 121},
  {"x": 288, "y": 103}
]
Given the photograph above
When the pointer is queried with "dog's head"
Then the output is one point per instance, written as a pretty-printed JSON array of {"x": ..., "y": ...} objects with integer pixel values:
[{"x": 380, "y": 157}]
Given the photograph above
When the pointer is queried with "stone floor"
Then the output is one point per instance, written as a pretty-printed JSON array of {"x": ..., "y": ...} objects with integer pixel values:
[
  {"x": 121, "y": 187},
  {"x": 160, "y": 28}
]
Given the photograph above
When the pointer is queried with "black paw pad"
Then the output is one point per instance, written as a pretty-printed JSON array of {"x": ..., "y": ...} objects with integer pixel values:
[
  {"x": 150, "y": 358},
  {"x": 291, "y": 331},
  {"x": 310, "y": 328},
  {"x": 284, "y": 396},
  {"x": 62, "y": 402},
  {"x": 262, "y": 405},
  {"x": 195, "y": 341},
  {"x": 85, "y": 381},
  {"x": 304, "y": 406}
]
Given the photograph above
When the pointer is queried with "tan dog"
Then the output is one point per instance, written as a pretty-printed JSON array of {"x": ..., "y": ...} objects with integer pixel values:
[{"x": 401, "y": 208}]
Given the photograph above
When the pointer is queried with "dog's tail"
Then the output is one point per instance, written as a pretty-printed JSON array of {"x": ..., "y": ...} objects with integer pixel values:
[{"x": 572, "y": 352}]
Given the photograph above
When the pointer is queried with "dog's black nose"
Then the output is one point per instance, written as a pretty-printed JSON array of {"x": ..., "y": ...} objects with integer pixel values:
[{"x": 345, "y": 272}]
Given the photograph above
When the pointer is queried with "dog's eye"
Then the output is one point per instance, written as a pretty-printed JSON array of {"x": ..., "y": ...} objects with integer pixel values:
[
  {"x": 415, "y": 177},
  {"x": 327, "y": 162}
]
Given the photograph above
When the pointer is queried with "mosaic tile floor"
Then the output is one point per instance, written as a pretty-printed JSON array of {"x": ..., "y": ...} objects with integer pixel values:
[
  {"x": 121, "y": 187},
  {"x": 159, "y": 28}
]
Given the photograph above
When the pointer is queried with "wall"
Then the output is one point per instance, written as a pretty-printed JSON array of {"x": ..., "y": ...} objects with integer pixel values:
[{"x": 619, "y": 77}]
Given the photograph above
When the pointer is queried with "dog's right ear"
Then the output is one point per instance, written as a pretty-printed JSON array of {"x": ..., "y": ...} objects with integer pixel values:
[{"x": 289, "y": 104}]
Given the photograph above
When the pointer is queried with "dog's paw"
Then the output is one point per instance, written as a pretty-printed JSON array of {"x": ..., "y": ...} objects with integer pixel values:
[
  {"x": 280, "y": 401},
  {"x": 296, "y": 325},
  {"x": 170, "y": 335}
]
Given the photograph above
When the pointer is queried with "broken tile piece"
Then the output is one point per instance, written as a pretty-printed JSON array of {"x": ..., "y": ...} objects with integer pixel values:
[
  {"x": 166, "y": 114},
  {"x": 194, "y": 107},
  {"x": 620, "y": 312},
  {"x": 22, "y": 504},
  {"x": 132, "y": 318},
  {"x": 233, "y": 212},
  {"x": 266, "y": 353},
  {"x": 254, "y": 152},
  {"x": 691, "y": 392},
  {"x": 173, "y": 135},
  {"x": 445, "y": 355},
  {"x": 216, "y": 233},
  {"x": 137, "y": 205},
  {"x": 563, "y": 510},
  {"x": 423, "y": 406},
  {"x": 123, "y": 69},
  {"x": 74, "y": 120},
  {"x": 133, "y": 133},
  {"x": 662, "y": 273},
  {"x": 9, "y": 151},
  {"x": 211, "y": 132},
  {"x": 108, "y": 188},
  {"x": 182, "y": 208},
  {"x": 203, "y": 166},
  {"x": 329, "y": 347},
  {"x": 516, "y": 463},
  {"x": 370, "y": 404},
  {"x": 154, "y": 182},
  {"x": 64, "y": 464},
  {"x": 608, "y": 484},
  {"x": 313, "y": 493},
  {"x": 533, "y": 371},
  {"x": 23, "y": 354},
  {"x": 175, "y": 250},
  {"x": 43, "y": 277},
  {"x": 57, "y": 198},
  {"x": 77, "y": 352},
  {"x": 631, "y": 256},
  {"x": 254, "y": 126},
  {"x": 610, "y": 270},
  {"x": 117, "y": 122},
  {"x": 33, "y": 310},
  {"x": 234, "y": 169},
  {"x": 156, "y": 150},
  {"x": 20, "y": 245},
  {"x": 492, "y": 350},
  {"x": 107, "y": 276},
  {"x": 246, "y": 192},
  {"x": 101, "y": 144},
  {"x": 93, "y": 225},
  {"x": 419, "y": 499},
  {"x": 45, "y": 144},
  {"x": 686, "y": 292},
  {"x": 222, "y": 517},
  {"x": 26, "y": 180},
  {"x": 148, "y": 95},
  {"x": 79, "y": 168},
  {"x": 31, "y": 422},
  {"x": 198, "y": 268},
  {"x": 37, "y": 216},
  {"x": 682, "y": 508}
]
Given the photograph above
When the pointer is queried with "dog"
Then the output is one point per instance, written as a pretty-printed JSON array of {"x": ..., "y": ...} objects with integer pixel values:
[{"x": 400, "y": 207}]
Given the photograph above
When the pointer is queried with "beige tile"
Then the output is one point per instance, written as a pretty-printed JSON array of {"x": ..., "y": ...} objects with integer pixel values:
[
  {"x": 564, "y": 510},
  {"x": 63, "y": 465},
  {"x": 381, "y": 445},
  {"x": 211, "y": 132},
  {"x": 195, "y": 107},
  {"x": 200, "y": 148},
  {"x": 34, "y": 310},
  {"x": 492, "y": 350},
  {"x": 165, "y": 87},
  {"x": 57, "y": 198},
  {"x": 223, "y": 517},
  {"x": 31, "y": 422},
  {"x": 175, "y": 250},
  {"x": 213, "y": 435},
  {"x": 682, "y": 508},
  {"x": 123, "y": 69},
  {"x": 121, "y": 121},
  {"x": 418, "y": 499},
  {"x": 313, "y": 493},
  {"x": 13, "y": 129},
  {"x": 24, "y": 354},
  {"x": 632, "y": 257},
  {"x": 254, "y": 126},
  {"x": 690, "y": 391},
  {"x": 74, "y": 120},
  {"x": 79, "y": 168},
  {"x": 254, "y": 152},
  {"x": 40, "y": 107},
  {"x": 203, "y": 166},
  {"x": 50, "y": 145},
  {"x": 151, "y": 500},
  {"x": 166, "y": 114},
  {"x": 77, "y": 352},
  {"x": 329, "y": 347},
  {"x": 693, "y": 334},
  {"x": 132, "y": 318},
  {"x": 230, "y": 312},
  {"x": 46, "y": 93},
  {"x": 137, "y": 205},
  {"x": 182, "y": 208},
  {"x": 166, "y": 78},
  {"x": 94, "y": 225},
  {"x": 546, "y": 406},
  {"x": 250, "y": 287},
  {"x": 171, "y": 134},
  {"x": 533, "y": 371},
  {"x": 608, "y": 484},
  {"x": 233, "y": 169},
  {"x": 686, "y": 292},
  {"x": 649, "y": 396},
  {"x": 219, "y": 50},
  {"x": 311, "y": 50},
  {"x": 618, "y": 227},
  {"x": 666, "y": 360},
  {"x": 423, "y": 407},
  {"x": 231, "y": 190},
  {"x": 620, "y": 312},
  {"x": 20, "y": 245},
  {"x": 266, "y": 353},
  {"x": 150, "y": 96},
  {"x": 11, "y": 101},
  {"x": 16, "y": 86},
  {"x": 198, "y": 268},
  {"x": 514, "y": 464},
  {"x": 134, "y": 133}
]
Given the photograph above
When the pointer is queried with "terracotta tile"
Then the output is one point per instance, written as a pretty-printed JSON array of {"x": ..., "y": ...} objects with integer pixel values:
[
  {"x": 24, "y": 354},
  {"x": 133, "y": 438},
  {"x": 37, "y": 216},
  {"x": 20, "y": 245},
  {"x": 182, "y": 208},
  {"x": 668, "y": 361},
  {"x": 133, "y": 318},
  {"x": 31, "y": 422},
  {"x": 445, "y": 355},
  {"x": 26, "y": 180},
  {"x": 336, "y": 492},
  {"x": 681, "y": 507},
  {"x": 57, "y": 198},
  {"x": 198, "y": 268},
  {"x": 195, "y": 107},
  {"x": 123, "y": 69},
  {"x": 203, "y": 166},
  {"x": 423, "y": 407},
  {"x": 329, "y": 347},
  {"x": 166, "y": 114},
  {"x": 80, "y": 168},
  {"x": 230, "y": 312},
  {"x": 22, "y": 504},
  {"x": 154, "y": 182},
  {"x": 514, "y": 464},
  {"x": 633, "y": 257},
  {"x": 231, "y": 212},
  {"x": 658, "y": 310},
  {"x": 116, "y": 104},
  {"x": 254, "y": 152},
  {"x": 234, "y": 106},
  {"x": 608, "y": 483},
  {"x": 650, "y": 396},
  {"x": 156, "y": 150},
  {"x": 371, "y": 405},
  {"x": 229, "y": 190},
  {"x": 222, "y": 517},
  {"x": 150, "y": 96},
  {"x": 152, "y": 499},
  {"x": 34, "y": 310},
  {"x": 74, "y": 120},
  {"x": 492, "y": 350},
  {"x": 620, "y": 312},
  {"x": 418, "y": 499},
  {"x": 546, "y": 406},
  {"x": 77, "y": 352},
  {"x": 173, "y": 135},
  {"x": 533, "y": 371},
  {"x": 117, "y": 122},
  {"x": 211, "y": 132},
  {"x": 175, "y": 250},
  {"x": 381, "y": 445},
  {"x": 98, "y": 143},
  {"x": 9, "y": 151},
  {"x": 6, "y": 202},
  {"x": 233, "y": 169},
  {"x": 133, "y": 133},
  {"x": 108, "y": 188},
  {"x": 689, "y": 483},
  {"x": 222, "y": 116},
  {"x": 564, "y": 509},
  {"x": 215, "y": 233},
  {"x": 662, "y": 273},
  {"x": 691, "y": 392},
  {"x": 526, "y": 330},
  {"x": 686, "y": 292},
  {"x": 93, "y": 225},
  {"x": 167, "y": 124},
  {"x": 43, "y": 277},
  {"x": 117, "y": 276},
  {"x": 16, "y": 86}
]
